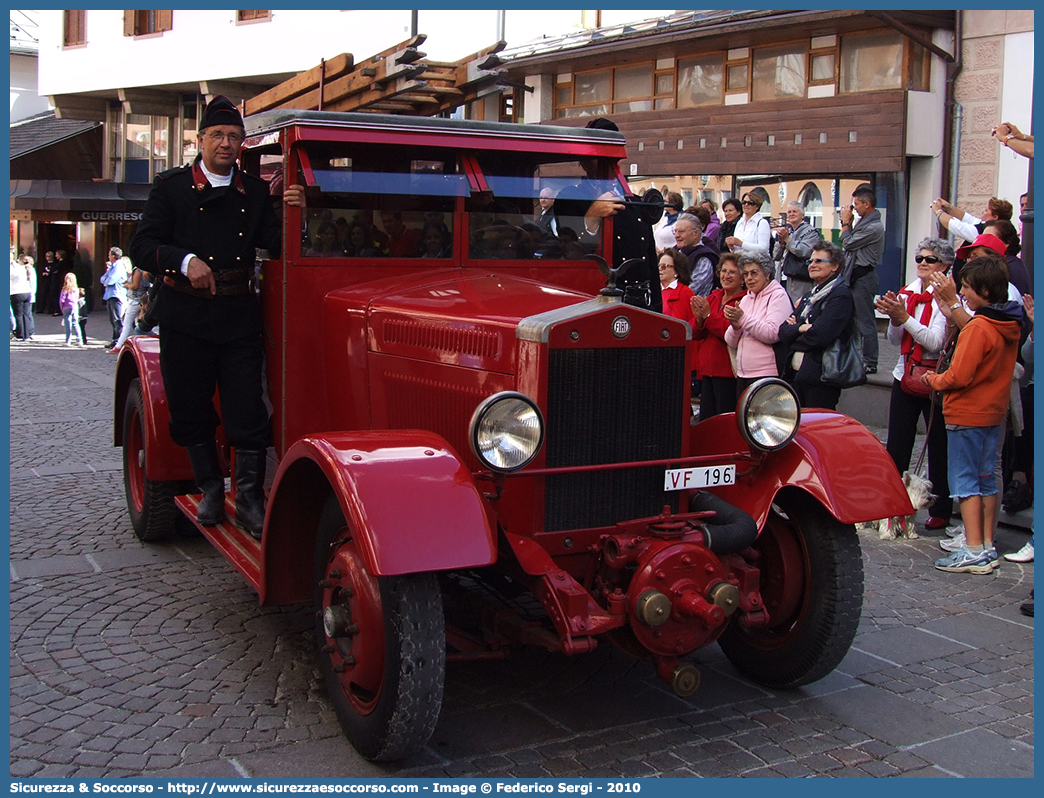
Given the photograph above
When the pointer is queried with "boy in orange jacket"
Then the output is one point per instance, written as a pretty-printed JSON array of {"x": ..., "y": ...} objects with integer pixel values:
[{"x": 975, "y": 391}]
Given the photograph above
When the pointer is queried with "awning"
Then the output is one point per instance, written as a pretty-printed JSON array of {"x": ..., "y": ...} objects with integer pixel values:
[{"x": 77, "y": 201}]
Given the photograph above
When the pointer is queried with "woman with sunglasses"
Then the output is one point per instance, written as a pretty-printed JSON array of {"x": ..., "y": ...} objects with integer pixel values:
[
  {"x": 733, "y": 212},
  {"x": 751, "y": 230},
  {"x": 823, "y": 314},
  {"x": 919, "y": 328}
]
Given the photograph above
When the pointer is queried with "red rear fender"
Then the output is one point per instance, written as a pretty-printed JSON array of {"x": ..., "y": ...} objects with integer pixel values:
[
  {"x": 164, "y": 461},
  {"x": 406, "y": 495},
  {"x": 834, "y": 458}
]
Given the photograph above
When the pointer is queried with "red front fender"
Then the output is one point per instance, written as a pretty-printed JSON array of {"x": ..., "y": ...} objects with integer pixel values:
[
  {"x": 406, "y": 495},
  {"x": 834, "y": 458}
]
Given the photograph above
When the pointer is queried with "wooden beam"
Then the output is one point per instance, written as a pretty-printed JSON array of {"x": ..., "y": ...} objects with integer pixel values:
[
  {"x": 434, "y": 74},
  {"x": 389, "y": 106},
  {"x": 78, "y": 106},
  {"x": 411, "y": 43},
  {"x": 476, "y": 56},
  {"x": 277, "y": 96},
  {"x": 411, "y": 97},
  {"x": 236, "y": 91},
  {"x": 338, "y": 90},
  {"x": 452, "y": 91},
  {"x": 149, "y": 102},
  {"x": 374, "y": 94}
]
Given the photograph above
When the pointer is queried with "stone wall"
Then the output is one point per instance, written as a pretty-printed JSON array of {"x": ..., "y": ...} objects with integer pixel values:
[{"x": 979, "y": 91}]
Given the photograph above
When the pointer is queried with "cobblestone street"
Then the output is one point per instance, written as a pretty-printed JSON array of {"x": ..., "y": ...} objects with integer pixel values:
[{"x": 132, "y": 659}]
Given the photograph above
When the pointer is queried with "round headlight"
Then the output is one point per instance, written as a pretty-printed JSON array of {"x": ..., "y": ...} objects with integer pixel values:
[
  {"x": 768, "y": 414},
  {"x": 506, "y": 431}
]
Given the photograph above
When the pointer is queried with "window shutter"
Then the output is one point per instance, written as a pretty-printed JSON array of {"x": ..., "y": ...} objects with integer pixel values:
[
  {"x": 75, "y": 27},
  {"x": 128, "y": 23},
  {"x": 164, "y": 20}
]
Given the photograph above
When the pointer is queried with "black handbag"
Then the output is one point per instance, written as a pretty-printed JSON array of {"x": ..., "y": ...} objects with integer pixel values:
[{"x": 843, "y": 361}]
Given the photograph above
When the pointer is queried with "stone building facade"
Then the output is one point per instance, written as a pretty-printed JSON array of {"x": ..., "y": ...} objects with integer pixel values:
[{"x": 995, "y": 85}]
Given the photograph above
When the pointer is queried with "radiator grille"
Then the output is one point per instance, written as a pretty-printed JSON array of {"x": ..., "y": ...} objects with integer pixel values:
[{"x": 610, "y": 406}]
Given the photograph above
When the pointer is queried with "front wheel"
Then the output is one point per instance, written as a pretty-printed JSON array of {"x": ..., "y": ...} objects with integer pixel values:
[
  {"x": 812, "y": 587},
  {"x": 382, "y": 645},
  {"x": 150, "y": 503}
]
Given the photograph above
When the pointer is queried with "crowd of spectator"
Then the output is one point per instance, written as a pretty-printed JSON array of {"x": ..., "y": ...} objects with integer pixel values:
[{"x": 782, "y": 297}]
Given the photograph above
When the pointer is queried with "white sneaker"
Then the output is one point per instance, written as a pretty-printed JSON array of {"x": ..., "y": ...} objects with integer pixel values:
[
  {"x": 954, "y": 531},
  {"x": 1025, "y": 554},
  {"x": 954, "y": 544}
]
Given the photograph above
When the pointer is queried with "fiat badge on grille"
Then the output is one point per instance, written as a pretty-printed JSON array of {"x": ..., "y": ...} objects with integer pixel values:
[{"x": 621, "y": 327}]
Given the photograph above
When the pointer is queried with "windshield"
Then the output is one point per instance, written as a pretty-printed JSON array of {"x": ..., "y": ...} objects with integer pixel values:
[
  {"x": 373, "y": 201},
  {"x": 535, "y": 206}
]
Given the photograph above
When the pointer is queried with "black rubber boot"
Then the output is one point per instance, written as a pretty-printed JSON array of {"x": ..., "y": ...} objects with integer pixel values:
[
  {"x": 250, "y": 490},
  {"x": 206, "y": 468}
]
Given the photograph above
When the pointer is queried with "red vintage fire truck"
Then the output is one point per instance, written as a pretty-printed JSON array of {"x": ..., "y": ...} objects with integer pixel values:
[{"x": 458, "y": 399}]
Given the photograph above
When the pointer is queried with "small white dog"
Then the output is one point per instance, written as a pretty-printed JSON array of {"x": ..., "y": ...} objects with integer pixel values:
[{"x": 919, "y": 490}]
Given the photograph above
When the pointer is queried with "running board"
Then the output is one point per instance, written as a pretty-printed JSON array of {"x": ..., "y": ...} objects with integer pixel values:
[{"x": 237, "y": 546}]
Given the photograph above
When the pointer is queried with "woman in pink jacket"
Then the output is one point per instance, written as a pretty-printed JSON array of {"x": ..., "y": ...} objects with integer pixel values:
[{"x": 754, "y": 323}]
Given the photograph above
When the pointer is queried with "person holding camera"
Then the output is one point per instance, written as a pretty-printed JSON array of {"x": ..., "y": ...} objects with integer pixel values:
[
  {"x": 864, "y": 244},
  {"x": 794, "y": 243}
]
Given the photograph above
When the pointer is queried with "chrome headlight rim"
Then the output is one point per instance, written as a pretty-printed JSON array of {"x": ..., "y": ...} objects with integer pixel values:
[
  {"x": 480, "y": 414},
  {"x": 747, "y": 408}
]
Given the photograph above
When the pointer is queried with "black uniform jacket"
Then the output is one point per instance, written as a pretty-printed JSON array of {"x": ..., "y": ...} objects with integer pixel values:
[
  {"x": 222, "y": 226},
  {"x": 633, "y": 238}
]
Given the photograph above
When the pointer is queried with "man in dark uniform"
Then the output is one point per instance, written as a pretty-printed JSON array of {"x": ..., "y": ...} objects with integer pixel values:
[
  {"x": 633, "y": 235},
  {"x": 198, "y": 234}
]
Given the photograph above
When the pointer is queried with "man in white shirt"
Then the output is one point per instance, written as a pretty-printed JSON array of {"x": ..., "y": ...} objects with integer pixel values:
[{"x": 965, "y": 225}]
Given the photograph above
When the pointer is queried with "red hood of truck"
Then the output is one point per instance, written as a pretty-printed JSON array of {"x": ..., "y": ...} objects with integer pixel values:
[{"x": 467, "y": 319}]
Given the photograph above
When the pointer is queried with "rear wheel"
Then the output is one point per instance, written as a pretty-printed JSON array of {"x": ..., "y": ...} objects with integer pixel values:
[
  {"x": 812, "y": 587},
  {"x": 381, "y": 645},
  {"x": 150, "y": 503}
]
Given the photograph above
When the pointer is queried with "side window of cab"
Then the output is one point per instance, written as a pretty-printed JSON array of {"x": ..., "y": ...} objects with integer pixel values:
[{"x": 370, "y": 201}]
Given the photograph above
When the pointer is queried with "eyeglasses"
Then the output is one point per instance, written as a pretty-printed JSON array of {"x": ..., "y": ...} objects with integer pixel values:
[
  {"x": 232, "y": 138},
  {"x": 820, "y": 260},
  {"x": 748, "y": 202},
  {"x": 927, "y": 259}
]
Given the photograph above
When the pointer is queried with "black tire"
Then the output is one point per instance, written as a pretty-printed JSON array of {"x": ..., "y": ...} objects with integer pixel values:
[
  {"x": 150, "y": 503},
  {"x": 812, "y": 586},
  {"x": 388, "y": 695}
]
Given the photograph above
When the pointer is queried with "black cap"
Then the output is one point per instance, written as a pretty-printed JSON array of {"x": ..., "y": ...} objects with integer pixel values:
[
  {"x": 220, "y": 111},
  {"x": 601, "y": 123}
]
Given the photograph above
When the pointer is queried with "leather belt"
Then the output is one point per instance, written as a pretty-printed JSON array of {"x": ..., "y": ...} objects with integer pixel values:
[{"x": 230, "y": 282}]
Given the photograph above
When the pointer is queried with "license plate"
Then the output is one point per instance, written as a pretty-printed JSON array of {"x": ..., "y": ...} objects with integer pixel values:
[{"x": 702, "y": 477}]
